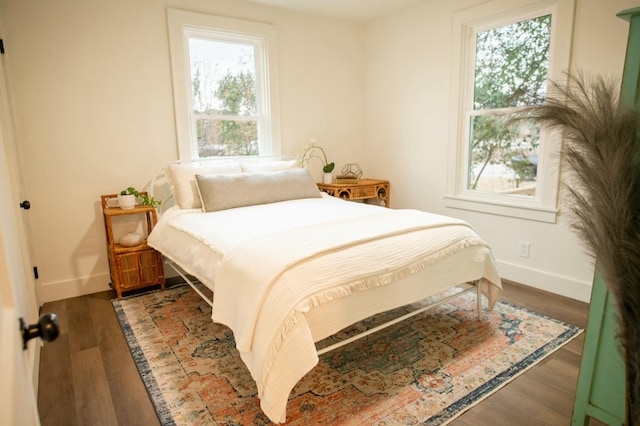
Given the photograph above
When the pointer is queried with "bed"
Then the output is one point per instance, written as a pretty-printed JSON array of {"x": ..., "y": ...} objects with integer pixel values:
[{"x": 289, "y": 266}]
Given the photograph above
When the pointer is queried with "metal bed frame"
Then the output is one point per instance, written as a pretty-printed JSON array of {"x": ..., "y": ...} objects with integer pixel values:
[{"x": 473, "y": 286}]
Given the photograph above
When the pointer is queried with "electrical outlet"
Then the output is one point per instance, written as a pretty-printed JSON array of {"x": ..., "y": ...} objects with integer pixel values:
[{"x": 523, "y": 248}]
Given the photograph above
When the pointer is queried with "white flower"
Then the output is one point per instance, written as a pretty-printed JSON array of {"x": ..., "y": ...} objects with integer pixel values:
[{"x": 310, "y": 151}]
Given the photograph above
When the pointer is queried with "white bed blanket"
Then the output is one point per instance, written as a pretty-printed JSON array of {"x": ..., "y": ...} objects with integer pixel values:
[
  {"x": 253, "y": 270},
  {"x": 304, "y": 254}
]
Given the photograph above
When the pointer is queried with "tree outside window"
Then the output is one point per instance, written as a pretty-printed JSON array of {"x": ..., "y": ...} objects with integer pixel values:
[
  {"x": 224, "y": 98},
  {"x": 510, "y": 72},
  {"x": 225, "y": 85}
]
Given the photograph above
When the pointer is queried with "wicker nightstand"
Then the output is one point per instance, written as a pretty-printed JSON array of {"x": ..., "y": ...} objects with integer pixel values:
[
  {"x": 131, "y": 267},
  {"x": 366, "y": 189}
]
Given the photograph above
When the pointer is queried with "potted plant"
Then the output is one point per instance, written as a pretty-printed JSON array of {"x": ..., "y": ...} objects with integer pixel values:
[
  {"x": 601, "y": 148},
  {"x": 309, "y": 152},
  {"x": 128, "y": 197}
]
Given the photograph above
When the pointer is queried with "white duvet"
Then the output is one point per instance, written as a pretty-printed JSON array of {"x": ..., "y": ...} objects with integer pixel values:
[{"x": 275, "y": 266}]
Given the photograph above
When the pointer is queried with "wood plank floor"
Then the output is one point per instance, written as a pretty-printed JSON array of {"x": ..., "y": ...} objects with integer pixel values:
[{"x": 87, "y": 376}]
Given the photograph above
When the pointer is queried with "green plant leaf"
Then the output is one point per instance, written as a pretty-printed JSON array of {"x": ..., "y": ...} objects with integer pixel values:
[{"x": 328, "y": 168}]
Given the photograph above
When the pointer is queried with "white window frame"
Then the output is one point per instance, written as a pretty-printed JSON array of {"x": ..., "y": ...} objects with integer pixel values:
[
  {"x": 182, "y": 26},
  {"x": 543, "y": 206}
]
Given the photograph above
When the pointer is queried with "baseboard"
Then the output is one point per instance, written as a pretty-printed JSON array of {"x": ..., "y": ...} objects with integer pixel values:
[
  {"x": 60, "y": 290},
  {"x": 542, "y": 280},
  {"x": 74, "y": 288},
  {"x": 534, "y": 278}
]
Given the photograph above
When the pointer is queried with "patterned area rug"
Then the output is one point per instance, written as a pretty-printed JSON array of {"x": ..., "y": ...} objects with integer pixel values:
[{"x": 425, "y": 370}]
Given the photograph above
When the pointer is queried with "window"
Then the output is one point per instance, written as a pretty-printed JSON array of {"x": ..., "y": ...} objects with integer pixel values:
[
  {"x": 224, "y": 80},
  {"x": 504, "y": 62},
  {"x": 510, "y": 71}
]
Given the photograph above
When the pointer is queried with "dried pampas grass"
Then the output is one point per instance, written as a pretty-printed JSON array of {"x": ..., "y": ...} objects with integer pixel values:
[{"x": 601, "y": 148}]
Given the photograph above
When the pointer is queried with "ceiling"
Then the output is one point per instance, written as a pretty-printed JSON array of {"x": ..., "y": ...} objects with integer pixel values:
[{"x": 357, "y": 10}]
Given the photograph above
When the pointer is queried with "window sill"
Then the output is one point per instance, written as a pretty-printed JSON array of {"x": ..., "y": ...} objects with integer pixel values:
[{"x": 535, "y": 213}]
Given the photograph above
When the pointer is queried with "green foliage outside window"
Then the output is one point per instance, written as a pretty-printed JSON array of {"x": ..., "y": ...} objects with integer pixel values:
[
  {"x": 229, "y": 137},
  {"x": 224, "y": 97},
  {"x": 511, "y": 69}
]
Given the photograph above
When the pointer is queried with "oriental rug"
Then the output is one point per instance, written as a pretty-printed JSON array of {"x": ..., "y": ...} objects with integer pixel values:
[{"x": 425, "y": 370}]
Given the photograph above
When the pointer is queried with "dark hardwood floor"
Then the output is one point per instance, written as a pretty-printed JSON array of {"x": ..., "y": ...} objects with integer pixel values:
[{"x": 87, "y": 376}]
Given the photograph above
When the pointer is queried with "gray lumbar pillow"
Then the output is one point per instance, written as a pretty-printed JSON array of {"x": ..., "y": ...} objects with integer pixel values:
[{"x": 221, "y": 192}]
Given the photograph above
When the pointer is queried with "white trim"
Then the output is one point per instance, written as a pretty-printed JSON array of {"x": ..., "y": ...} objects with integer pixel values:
[
  {"x": 60, "y": 290},
  {"x": 552, "y": 283},
  {"x": 542, "y": 206},
  {"x": 184, "y": 24},
  {"x": 501, "y": 208}
]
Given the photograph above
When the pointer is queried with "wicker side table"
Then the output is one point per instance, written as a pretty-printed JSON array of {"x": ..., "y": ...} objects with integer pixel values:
[
  {"x": 131, "y": 267},
  {"x": 375, "y": 190}
]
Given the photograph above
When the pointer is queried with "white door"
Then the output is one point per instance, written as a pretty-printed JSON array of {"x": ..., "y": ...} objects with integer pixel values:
[
  {"x": 17, "y": 397},
  {"x": 17, "y": 393},
  {"x": 17, "y": 296}
]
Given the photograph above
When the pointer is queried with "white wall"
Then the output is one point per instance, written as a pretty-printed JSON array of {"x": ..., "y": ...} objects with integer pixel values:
[
  {"x": 91, "y": 89},
  {"x": 408, "y": 85}
]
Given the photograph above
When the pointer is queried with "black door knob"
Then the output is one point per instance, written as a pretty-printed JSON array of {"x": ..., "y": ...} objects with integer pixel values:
[
  {"x": 25, "y": 204},
  {"x": 46, "y": 328}
]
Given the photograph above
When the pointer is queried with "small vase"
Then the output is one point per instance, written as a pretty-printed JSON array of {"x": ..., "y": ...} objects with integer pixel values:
[
  {"x": 327, "y": 178},
  {"x": 127, "y": 202}
]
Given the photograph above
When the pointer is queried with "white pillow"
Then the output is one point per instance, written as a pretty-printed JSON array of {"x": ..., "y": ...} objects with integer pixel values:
[
  {"x": 182, "y": 178},
  {"x": 221, "y": 192},
  {"x": 271, "y": 166}
]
